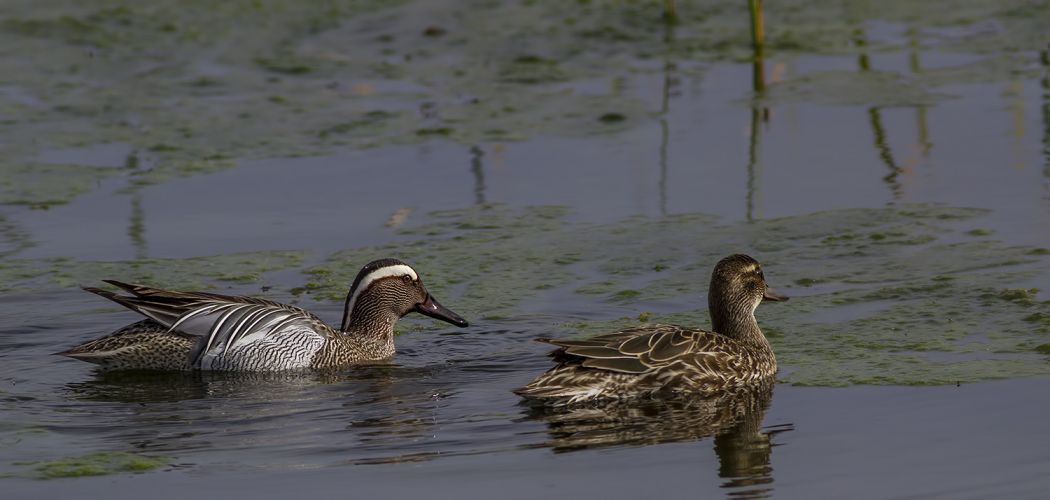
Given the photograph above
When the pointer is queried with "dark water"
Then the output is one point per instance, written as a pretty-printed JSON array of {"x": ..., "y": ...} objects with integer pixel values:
[{"x": 962, "y": 121}]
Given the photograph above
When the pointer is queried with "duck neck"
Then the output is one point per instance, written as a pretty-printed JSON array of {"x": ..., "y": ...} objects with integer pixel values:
[
  {"x": 736, "y": 319},
  {"x": 371, "y": 322}
]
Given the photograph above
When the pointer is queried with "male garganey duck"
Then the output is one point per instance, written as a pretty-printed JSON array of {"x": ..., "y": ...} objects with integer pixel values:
[
  {"x": 665, "y": 359},
  {"x": 208, "y": 331}
]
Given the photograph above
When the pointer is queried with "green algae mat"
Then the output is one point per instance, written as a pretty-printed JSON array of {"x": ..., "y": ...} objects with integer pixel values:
[
  {"x": 192, "y": 87},
  {"x": 94, "y": 464},
  {"x": 21, "y": 275}
]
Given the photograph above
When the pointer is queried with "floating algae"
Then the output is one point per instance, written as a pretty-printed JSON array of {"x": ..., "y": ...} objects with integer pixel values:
[
  {"x": 180, "y": 274},
  {"x": 95, "y": 464}
]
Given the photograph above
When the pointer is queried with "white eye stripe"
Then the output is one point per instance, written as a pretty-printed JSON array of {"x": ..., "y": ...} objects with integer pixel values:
[{"x": 378, "y": 274}]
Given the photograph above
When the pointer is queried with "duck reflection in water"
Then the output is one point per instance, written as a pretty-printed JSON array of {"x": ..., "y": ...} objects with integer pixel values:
[
  {"x": 144, "y": 386},
  {"x": 385, "y": 406},
  {"x": 733, "y": 418}
]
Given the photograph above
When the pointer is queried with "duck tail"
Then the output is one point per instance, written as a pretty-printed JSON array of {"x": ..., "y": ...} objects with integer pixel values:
[{"x": 163, "y": 309}]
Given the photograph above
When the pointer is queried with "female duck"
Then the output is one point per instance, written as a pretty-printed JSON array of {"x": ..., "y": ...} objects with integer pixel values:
[
  {"x": 652, "y": 359},
  {"x": 207, "y": 331}
]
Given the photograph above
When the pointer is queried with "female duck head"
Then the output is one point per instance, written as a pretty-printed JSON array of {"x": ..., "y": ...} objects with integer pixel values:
[
  {"x": 388, "y": 289},
  {"x": 737, "y": 287}
]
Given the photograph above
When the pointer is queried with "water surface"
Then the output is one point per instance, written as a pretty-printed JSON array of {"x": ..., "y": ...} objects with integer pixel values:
[{"x": 551, "y": 169}]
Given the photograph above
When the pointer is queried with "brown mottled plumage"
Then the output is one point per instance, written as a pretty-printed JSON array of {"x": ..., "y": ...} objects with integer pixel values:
[
  {"x": 207, "y": 331},
  {"x": 145, "y": 345},
  {"x": 667, "y": 359}
]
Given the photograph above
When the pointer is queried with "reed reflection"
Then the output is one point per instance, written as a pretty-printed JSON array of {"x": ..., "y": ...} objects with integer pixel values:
[
  {"x": 921, "y": 129},
  {"x": 734, "y": 419},
  {"x": 137, "y": 223},
  {"x": 137, "y": 226},
  {"x": 759, "y": 114},
  {"x": 885, "y": 153},
  {"x": 875, "y": 121},
  {"x": 1044, "y": 58},
  {"x": 670, "y": 81},
  {"x": 477, "y": 169}
]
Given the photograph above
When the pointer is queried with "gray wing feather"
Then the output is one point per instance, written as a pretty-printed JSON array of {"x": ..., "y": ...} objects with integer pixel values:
[
  {"x": 231, "y": 334},
  {"x": 232, "y": 325},
  {"x": 282, "y": 336}
]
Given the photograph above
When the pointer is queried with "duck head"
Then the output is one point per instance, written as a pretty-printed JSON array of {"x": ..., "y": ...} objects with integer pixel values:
[
  {"x": 387, "y": 289},
  {"x": 737, "y": 288}
]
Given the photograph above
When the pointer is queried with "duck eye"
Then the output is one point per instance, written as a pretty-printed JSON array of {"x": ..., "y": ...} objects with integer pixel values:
[{"x": 406, "y": 278}]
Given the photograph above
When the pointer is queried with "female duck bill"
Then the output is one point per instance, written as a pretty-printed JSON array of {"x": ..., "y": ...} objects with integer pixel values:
[{"x": 774, "y": 296}]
